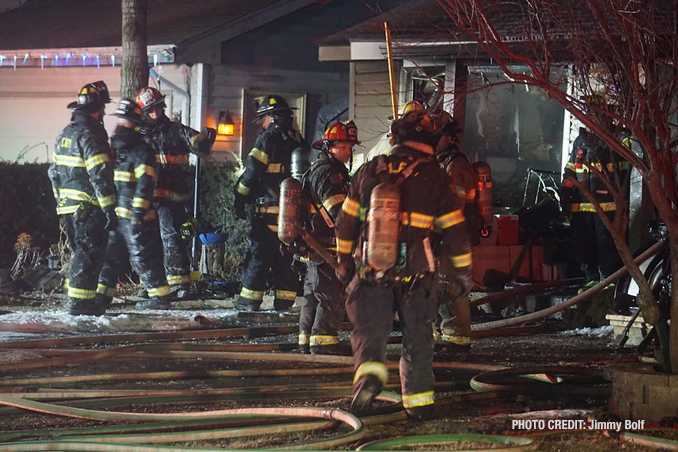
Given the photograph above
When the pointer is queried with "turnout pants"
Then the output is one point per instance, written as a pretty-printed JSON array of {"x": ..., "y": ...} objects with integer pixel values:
[
  {"x": 266, "y": 263},
  {"x": 322, "y": 310},
  {"x": 139, "y": 244},
  {"x": 370, "y": 308},
  {"x": 596, "y": 251},
  {"x": 88, "y": 240},
  {"x": 171, "y": 216}
]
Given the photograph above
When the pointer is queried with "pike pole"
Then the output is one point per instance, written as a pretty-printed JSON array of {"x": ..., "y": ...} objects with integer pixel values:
[{"x": 391, "y": 71}]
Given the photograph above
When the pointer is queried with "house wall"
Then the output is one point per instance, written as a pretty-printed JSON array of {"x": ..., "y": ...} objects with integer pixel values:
[
  {"x": 370, "y": 106},
  {"x": 33, "y": 104},
  {"x": 305, "y": 90}
]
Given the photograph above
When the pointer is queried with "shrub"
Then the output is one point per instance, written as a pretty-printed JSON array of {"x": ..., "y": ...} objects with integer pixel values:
[
  {"x": 27, "y": 205},
  {"x": 217, "y": 180}
]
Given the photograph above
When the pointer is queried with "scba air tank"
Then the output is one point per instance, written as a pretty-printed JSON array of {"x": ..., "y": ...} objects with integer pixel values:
[
  {"x": 484, "y": 191},
  {"x": 383, "y": 226},
  {"x": 290, "y": 214}
]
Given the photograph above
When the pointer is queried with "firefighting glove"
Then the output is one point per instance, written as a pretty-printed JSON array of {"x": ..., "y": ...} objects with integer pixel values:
[
  {"x": 210, "y": 134},
  {"x": 187, "y": 229},
  {"x": 239, "y": 208},
  {"x": 111, "y": 220}
]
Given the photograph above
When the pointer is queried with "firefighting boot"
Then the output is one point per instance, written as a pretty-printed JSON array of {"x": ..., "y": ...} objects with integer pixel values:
[
  {"x": 452, "y": 343},
  {"x": 421, "y": 413},
  {"x": 282, "y": 305},
  {"x": 366, "y": 390},
  {"x": 155, "y": 303},
  {"x": 247, "y": 304},
  {"x": 96, "y": 306},
  {"x": 180, "y": 292}
]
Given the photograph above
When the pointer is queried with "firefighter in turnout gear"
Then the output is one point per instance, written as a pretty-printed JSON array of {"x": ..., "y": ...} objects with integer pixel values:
[
  {"x": 455, "y": 314},
  {"x": 137, "y": 238},
  {"x": 595, "y": 250},
  {"x": 82, "y": 180},
  {"x": 174, "y": 142},
  {"x": 325, "y": 186},
  {"x": 268, "y": 164},
  {"x": 389, "y": 242}
]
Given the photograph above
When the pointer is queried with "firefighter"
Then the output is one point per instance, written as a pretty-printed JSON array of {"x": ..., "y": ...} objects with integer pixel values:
[
  {"x": 268, "y": 164},
  {"x": 82, "y": 180},
  {"x": 384, "y": 230},
  {"x": 325, "y": 186},
  {"x": 594, "y": 247},
  {"x": 137, "y": 238},
  {"x": 173, "y": 142},
  {"x": 454, "y": 311}
]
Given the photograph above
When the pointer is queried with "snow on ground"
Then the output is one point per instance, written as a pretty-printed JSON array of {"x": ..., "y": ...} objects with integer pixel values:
[{"x": 603, "y": 331}]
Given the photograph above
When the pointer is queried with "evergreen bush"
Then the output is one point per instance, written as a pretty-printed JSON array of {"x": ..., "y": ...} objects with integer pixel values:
[
  {"x": 27, "y": 206},
  {"x": 216, "y": 214}
]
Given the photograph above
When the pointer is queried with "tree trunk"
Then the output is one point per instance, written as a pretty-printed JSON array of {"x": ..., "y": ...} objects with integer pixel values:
[{"x": 134, "y": 70}]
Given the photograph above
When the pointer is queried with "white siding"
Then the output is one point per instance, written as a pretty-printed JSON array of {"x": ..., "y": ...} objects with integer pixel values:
[
  {"x": 370, "y": 105},
  {"x": 33, "y": 105}
]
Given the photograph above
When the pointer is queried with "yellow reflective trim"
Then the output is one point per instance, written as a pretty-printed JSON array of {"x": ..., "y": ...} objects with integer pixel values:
[
  {"x": 141, "y": 203},
  {"x": 105, "y": 290},
  {"x": 454, "y": 339},
  {"x": 121, "y": 212},
  {"x": 174, "y": 280},
  {"x": 107, "y": 201},
  {"x": 69, "y": 160},
  {"x": 64, "y": 210},
  {"x": 449, "y": 219},
  {"x": 588, "y": 207},
  {"x": 420, "y": 399},
  {"x": 270, "y": 209},
  {"x": 161, "y": 291},
  {"x": 379, "y": 370},
  {"x": 274, "y": 168},
  {"x": 462, "y": 260},
  {"x": 344, "y": 246},
  {"x": 82, "y": 294},
  {"x": 252, "y": 294},
  {"x": 123, "y": 176},
  {"x": 260, "y": 155},
  {"x": 303, "y": 339},
  {"x": 332, "y": 201},
  {"x": 320, "y": 340},
  {"x": 273, "y": 227},
  {"x": 144, "y": 169},
  {"x": 417, "y": 220},
  {"x": 350, "y": 207},
  {"x": 285, "y": 294},
  {"x": 243, "y": 189},
  {"x": 75, "y": 195},
  {"x": 96, "y": 160}
]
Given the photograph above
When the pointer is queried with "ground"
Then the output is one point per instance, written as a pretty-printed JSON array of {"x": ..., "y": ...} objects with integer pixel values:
[{"x": 204, "y": 356}]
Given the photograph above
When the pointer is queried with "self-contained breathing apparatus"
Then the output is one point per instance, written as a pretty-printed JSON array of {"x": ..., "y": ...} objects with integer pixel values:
[
  {"x": 291, "y": 218},
  {"x": 484, "y": 196},
  {"x": 382, "y": 250}
]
